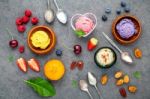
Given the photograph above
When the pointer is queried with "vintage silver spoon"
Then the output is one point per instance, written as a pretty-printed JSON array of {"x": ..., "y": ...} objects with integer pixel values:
[
  {"x": 124, "y": 55},
  {"x": 93, "y": 81},
  {"x": 61, "y": 15},
  {"x": 84, "y": 87},
  {"x": 49, "y": 13}
]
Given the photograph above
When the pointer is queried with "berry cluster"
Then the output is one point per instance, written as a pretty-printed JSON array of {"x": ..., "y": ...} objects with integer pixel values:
[{"x": 21, "y": 21}]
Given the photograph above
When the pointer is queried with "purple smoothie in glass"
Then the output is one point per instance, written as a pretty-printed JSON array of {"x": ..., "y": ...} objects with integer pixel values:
[{"x": 126, "y": 28}]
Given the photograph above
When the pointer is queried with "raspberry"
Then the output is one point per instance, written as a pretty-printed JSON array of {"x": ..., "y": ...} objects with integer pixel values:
[
  {"x": 28, "y": 13},
  {"x": 21, "y": 49},
  {"x": 21, "y": 28},
  {"x": 19, "y": 21},
  {"x": 25, "y": 19},
  {"x": 34, "y": 20},
  {"x": 73, "y": 65}
]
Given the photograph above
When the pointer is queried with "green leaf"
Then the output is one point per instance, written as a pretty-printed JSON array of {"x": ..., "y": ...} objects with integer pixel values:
[
  {"x": 74, "y": 84},
  {"x": 79, "y": 33},
  {"x": 137, "y": 74},
  {"x": 41, "y": 86}
]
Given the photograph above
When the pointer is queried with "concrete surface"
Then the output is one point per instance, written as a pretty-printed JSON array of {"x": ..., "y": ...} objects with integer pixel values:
[{"x": 11, "y": 78}]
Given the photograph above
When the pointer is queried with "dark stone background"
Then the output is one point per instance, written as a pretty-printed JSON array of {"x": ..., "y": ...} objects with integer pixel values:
[{"x": 11, "y": 78}]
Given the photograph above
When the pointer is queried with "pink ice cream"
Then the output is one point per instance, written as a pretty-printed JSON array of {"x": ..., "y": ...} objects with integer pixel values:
[{"x": 85, "y": 24}]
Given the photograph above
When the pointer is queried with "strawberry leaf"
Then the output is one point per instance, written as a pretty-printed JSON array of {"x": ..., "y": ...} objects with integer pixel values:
[{"x": 79, "y": 33}]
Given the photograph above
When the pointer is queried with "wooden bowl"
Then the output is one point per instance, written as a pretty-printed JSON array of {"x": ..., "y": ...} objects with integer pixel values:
[
  {"x": 51, "y": 35},
  {"x": 131, "y": 39}
]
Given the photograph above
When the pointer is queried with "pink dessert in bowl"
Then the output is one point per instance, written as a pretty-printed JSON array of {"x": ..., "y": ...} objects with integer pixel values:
[{"x": 83, "y": 25}]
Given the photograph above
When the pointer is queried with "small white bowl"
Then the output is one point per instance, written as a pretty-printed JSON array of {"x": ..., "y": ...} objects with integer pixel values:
[{"x": 88, "y": 15}]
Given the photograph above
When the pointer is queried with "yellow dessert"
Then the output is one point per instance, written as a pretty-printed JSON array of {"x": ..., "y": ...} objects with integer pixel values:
[
  {"x": 54, "y": 69},
  {"x": 40, "y": 39}
]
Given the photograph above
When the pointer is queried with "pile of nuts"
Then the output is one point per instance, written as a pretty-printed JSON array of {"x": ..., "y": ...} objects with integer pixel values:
[{"x": 124, "y": 79}]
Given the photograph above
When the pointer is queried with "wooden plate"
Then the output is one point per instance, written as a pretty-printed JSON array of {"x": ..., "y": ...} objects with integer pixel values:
[
  {"x": 131, "y": 39},
  {"x": 51, "y": 35}
]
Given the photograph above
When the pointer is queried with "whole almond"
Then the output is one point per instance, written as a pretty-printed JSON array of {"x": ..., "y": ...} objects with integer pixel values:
[
  {"x": 119, "y": 82},
  {"x": 118, "y": 74},
  {"x": 104, "y": 79},
  {"x": 126, "y": 79}
]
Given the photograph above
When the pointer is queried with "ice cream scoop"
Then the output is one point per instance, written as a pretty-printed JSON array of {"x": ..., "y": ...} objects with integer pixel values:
[{"x": 126, "y": 28}]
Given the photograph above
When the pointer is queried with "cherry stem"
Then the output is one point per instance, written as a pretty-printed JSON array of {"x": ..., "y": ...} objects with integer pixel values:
[
  {"x": 9, "y": 33},
  {"x": 67, "y": 47}
]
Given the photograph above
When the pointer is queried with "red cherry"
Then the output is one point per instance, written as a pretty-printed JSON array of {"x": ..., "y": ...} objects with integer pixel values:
[
  {"x": 77, "y": 49},
  {"x": 21, "y": 28},
  {"x": 13, "y": 43},
  {"x": 19, "y": 21},
  {"x": 21, "y": 49},
  {"x": 34, "y": 20},
  {"x": 25, "y": 19},
  {"x": 28, "y": 13}
]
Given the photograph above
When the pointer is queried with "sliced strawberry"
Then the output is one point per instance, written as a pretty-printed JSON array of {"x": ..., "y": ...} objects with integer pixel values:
[
  {"x": 21, "y": 62},
  {"x": 34, "y": 65},
  {"x": 92, "y": 43}
]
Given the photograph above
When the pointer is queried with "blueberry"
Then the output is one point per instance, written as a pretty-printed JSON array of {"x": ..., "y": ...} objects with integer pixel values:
[
  {"x": 104, "y": 18},
  {"x": 59, "y": 52},
  {"x": 108, "y": 11},
  {"x": 127, "y": 9},
  {"x": 118, "y": 11},
  {"x": 123, "y": 4}
]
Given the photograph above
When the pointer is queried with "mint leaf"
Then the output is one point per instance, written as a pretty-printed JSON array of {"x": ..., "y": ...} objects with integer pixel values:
[
  {"x": 137, "y": 74},
  {"x": 79, "y": 33}
]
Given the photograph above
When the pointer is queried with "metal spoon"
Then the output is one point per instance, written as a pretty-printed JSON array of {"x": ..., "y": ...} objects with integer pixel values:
[
  {"x": 124, "y": 55},
  {"x": 61, "y": 15},
  {"x": 84, "y": 87},
  {"x": 93, "y": 81},
  {"x": 49, "y": 13}
]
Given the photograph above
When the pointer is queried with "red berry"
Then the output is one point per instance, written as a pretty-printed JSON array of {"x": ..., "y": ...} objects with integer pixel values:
[
  {"x": 25, "y": 19},
  {"x": 34, "y": 20},
  {"x": 21, "y": 28},
  {"x": 123, "y": 92},
  {"x": 80, "y": 65},
  {"x": 73, "y": 65},
  {"x": 19, "y": 21},
  {"x": 77, "y": 49},
  {"x": 21, "y": 49},
  {"x": 28, "y": 13}
]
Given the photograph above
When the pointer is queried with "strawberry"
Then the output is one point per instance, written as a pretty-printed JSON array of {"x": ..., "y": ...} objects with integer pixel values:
[
  {"x": 21, "y": 62},
  {"x": 34, "y": 20},
  {"x": 28, "y": 13},
  {"x": 19, "y": 21},
  {"x": 34, "y": 65},
  {"x": 21, "y": 28},
  {"x": 25, "y": 19},
  {"x": 92, "y": 43}
]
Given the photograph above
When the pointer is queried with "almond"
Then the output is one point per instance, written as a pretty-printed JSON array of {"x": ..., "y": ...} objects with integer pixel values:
[
  {"x": 119, "y": 82},
  {"x": 118, "y": 74},
  {"x": 126, "y": 79},
  {"x": 132, "y": 88},
  {"x": 104, "y": 79}
]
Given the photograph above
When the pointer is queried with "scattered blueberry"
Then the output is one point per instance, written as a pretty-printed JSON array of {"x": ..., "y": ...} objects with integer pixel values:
[
  {"x": 118, "y": 11},
  {"x": 104, "y": 18},
  {"x": 127, "y": 9},
  {"x": 123, "y": 4},
  {"x": 108, "y": 11},
  {"x": 59, "y": 52}
]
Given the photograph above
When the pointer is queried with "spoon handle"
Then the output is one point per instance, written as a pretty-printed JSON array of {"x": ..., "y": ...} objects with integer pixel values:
[
  {"x": 48, "y": 4},
  {"x": 111, "y": 42},
  {"x": 89, "y": 94},
  {"x": 56, "y": 4},
  {"x": 98, "y": 92}
]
